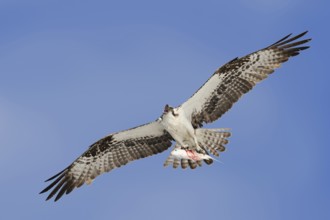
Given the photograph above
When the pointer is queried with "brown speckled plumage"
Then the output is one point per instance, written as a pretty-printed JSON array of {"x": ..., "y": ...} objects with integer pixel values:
[
  {"x": 107, "y": 154},
  {"x": 210, "y": 102},
  {"x": 239, "y": 76}
]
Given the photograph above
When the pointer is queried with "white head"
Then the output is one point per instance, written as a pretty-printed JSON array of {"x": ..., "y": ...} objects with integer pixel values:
[{"x": 168, "y": 110}]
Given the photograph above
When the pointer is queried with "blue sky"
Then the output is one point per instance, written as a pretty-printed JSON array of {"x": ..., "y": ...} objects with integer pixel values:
[{"x": 75, "y": 71}]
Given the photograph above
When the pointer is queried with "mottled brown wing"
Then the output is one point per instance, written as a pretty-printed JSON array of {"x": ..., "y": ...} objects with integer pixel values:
[
  {"x": 110, "y": 152},
  {"x": 238, "y": 77}
]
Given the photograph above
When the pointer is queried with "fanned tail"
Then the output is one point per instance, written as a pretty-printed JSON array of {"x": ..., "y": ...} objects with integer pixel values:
[
  {"x": 213, "y": 140},
  {"x": 183, "y": 162},
  {"x": 210, "y": 140}
]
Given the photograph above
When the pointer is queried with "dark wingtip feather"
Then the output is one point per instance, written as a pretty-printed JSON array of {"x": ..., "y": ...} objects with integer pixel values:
[
  {"x": 63, "y": 190},
  {"x": 283, "y": 39},
  {"x": 302, "y": 34},
  {"x": 291, "y": 45},
  {"x": 56, "y": 175},
  {"x": 52, "y": 184},
  {"x": 302, "y": 48},
  {"x": 286, "y": 39},
  {"x": 56, "y": 189},
  {"x": 62, "y": 185}
]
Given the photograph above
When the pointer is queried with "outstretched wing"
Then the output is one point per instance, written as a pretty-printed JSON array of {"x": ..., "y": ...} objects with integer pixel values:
[
  {"x": 108, "y": 153},
  {"x": 238, "y": 77}
]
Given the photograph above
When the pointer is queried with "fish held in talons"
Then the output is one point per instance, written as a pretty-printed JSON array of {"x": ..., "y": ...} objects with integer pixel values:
[{"x": 187, "y": 158}]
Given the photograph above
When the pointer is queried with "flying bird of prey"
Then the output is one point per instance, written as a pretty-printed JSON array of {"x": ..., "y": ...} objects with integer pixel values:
[{"x": 183, "y": 124}]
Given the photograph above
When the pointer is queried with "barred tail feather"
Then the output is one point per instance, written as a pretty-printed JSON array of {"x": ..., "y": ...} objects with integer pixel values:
[
  {"x": 183, "y": 162},
  {"x": 210, "y": 140},
  {"x": 213, "y": 140}
]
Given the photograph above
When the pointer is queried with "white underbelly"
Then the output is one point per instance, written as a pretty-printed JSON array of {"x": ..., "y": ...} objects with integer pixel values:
[{"x": 182, "y": 131}]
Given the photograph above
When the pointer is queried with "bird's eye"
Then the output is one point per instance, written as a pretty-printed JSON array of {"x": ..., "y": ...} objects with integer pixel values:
[{"x": 174, "y": 113}]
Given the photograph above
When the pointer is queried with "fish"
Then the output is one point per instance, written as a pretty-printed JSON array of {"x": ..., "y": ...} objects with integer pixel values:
[{"x": 184, "y": 158}]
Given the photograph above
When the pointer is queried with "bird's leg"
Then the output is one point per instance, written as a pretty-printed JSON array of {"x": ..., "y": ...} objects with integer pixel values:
[{"x": 196, "y": 141}]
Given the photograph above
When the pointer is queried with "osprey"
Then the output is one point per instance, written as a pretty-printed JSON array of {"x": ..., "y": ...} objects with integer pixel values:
[{"x": 182, "y": 124}]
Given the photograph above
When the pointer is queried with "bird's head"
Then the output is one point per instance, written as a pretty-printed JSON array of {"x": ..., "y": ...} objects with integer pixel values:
[{"x": 168, "y": 110}]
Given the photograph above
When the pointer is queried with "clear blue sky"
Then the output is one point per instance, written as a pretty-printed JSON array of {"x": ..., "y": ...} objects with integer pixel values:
[{"x": 75, "y": 71}]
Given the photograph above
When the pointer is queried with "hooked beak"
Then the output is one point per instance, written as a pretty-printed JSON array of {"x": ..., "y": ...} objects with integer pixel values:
[{"x": 167, "y": 108}]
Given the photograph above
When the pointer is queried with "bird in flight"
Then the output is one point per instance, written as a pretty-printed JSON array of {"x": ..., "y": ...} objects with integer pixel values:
[{"x": 183, "y": 124}]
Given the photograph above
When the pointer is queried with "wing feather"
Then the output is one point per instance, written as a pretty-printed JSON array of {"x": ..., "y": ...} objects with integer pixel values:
[
  {"x": 237, "y": 77},
  {"x": 112, "y": 151}
]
